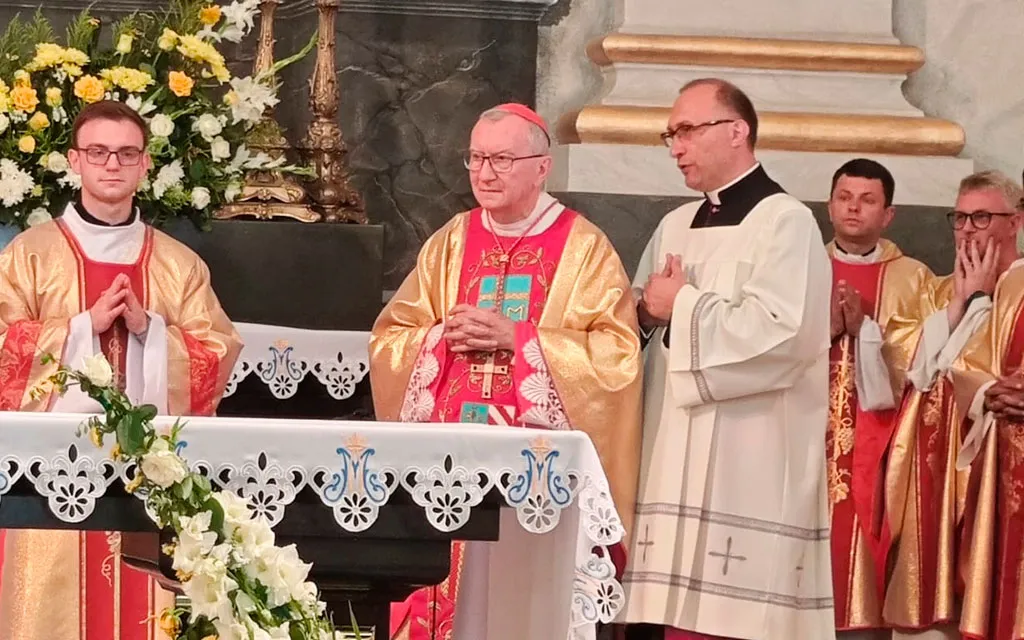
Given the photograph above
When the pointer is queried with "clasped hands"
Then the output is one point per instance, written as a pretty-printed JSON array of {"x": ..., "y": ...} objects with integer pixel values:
[
  {"x": 119, "y": 301},
  {"x": 659, "y": 296},
  {"x": 847, "y": 310},
  {"x": 473, "y": 329},
  {"x": 1006, "y": 398}
]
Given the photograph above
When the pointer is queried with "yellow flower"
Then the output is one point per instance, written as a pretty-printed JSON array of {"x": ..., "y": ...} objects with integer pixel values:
[
  {"x": 22, "y": 78},
  {"x": 96, "y": 437},
  {"x": 75, "y": 57},
  {"x": 89, "y": 89},
  {"x": 180, "y": 84},
  {"x": 38, "y": 121},
  {"x": 131, "y": 80},
  {"x": 27, "y": 144},
  {"x": 73, "y": 70},
  {"x": 124, "y": 43},
  {"x": 37, "y": 190},
  {"x": 221, "y": 73},
  {"x": 54, "y": 97},
  {"x": 231, "y": 98},
  {"x": 210, "y": 15},
  {"x": 168, "y": 40},
  {"x": 170, "y": 624},
  {"x": 48, "y": 55},
  {"x": 5, "y": 103},
  {"x": 24, "y": 98},
  {"x": 115, "y": 453},
  {"x": 4, "y": 88},
  {"x": 201, "y": 51}
]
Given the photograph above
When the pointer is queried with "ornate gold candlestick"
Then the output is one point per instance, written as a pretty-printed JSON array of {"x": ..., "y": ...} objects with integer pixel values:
[
  {"x": 323, "y": 140},
  {"x": 269, "y": 194}
]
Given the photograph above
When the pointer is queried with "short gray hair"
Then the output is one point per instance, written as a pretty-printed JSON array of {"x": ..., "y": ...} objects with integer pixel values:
[
  {"x": 538, "y": 140},
  {"x": 995, "y": 180}
]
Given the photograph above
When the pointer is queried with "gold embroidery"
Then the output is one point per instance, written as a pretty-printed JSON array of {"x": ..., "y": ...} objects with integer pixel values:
[
  {"x": 933, "y": 419},
  {"x": 113, "y": 547},
  {"x": 839, "y": 439}
]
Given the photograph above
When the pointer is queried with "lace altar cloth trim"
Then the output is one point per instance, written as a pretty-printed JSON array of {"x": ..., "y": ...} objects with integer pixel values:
[
  {"x": 355, "y": 467},
  {"x": 283, "y": 356}
]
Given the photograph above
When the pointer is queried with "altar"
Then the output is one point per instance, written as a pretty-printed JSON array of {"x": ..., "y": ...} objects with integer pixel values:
[{"x": 548, "y": 575}]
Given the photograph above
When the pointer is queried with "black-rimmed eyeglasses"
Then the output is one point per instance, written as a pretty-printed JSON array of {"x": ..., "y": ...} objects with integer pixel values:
[
  {"x": 685, "y": 130},
  {"x": 979, "y": 219},
  {"x": 126, "y": 156},
  {"x": 500, "y": 163}
]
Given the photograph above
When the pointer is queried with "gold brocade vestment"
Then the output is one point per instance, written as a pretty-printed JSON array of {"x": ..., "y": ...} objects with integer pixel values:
[{"x": 65, "y": 585}]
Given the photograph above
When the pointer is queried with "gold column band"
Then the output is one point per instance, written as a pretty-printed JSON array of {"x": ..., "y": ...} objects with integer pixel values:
[
  {"x": 755, "y": 53},
  {"x": 777, "y": 130}
]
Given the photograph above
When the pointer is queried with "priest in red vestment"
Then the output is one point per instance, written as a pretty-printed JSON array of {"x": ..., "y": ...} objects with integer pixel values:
[
  {"x": 925, "y": 492},
  {"x": 518, "y": 313},
  {"x": 873, "y": 282},
  {"x": 99, "y": 280}
]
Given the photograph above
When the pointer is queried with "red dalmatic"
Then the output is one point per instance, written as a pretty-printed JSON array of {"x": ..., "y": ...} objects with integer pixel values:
[
  {"x": 116, "y": 599},
  {"x": 856, "y": 446}
]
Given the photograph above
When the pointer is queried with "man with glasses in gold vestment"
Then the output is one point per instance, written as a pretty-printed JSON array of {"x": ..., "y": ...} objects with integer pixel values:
[{"x": 97, "y": 280}]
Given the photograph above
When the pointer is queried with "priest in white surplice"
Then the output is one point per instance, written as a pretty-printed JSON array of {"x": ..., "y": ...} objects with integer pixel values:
[
  {"x": 99, "y": 280},
  {"x": 731, "y": 532}
]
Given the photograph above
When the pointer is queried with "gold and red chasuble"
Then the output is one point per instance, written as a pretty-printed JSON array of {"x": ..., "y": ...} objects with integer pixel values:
[
  {"x": 513, "y": 276},
  {"x": 74, "y": 586},
  {"x": 857, "y": 441},
  {"x": 924, "y": 497},
  {"x": 992, "y": 547}
]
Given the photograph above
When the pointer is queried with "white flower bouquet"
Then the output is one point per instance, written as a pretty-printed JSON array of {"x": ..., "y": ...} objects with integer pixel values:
[
  {"x": 169, "y": 69},
  {"x": 241, "y": 586}
]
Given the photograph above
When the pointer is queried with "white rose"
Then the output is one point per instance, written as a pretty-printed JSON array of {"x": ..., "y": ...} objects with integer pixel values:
[
  {"x": 4, "y": 122},
  {"x": 38, "y": 216},
  {"x": 161, "y": 125},
  {"x": 97, "y": 370},
  {"x": 220, "y": 149},
  {"x": 200, "y": 197},
  {"x": 57, "y": 163},
  {"x": 208, "y": 126},
  {"x": 163, "y": 468}
]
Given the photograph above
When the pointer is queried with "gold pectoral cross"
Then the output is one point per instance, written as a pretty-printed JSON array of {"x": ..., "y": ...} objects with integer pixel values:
[{"x": 488, "y": 369}]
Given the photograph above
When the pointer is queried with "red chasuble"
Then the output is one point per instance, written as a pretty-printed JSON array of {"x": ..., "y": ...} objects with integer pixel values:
[
  {"x": 856, "y": 446},
  {"x": 505, "y": 388},
  {"x": 993, "y": 544}
]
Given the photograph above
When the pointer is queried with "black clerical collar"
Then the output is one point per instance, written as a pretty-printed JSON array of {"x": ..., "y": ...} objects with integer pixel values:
[
  {"x": 851, "y": 253},
  {"x": 91, "y": 219},
  {"x": 736, "y": 200}
]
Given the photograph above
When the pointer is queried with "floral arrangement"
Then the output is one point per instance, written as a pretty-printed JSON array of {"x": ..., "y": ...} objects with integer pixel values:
[
  {"x": 169, "y": 69},
  {"x": 240, "y": 584}
]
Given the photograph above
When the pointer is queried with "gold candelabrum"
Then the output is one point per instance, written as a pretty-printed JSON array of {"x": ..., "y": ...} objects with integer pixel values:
[
  {"x": 323, "y": 140},
  {"x": 272, "y": 194}
]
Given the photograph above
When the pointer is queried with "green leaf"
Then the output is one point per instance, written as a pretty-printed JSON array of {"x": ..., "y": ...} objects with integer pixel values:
[
  {"x": 131, "y": 435},
  {"x": 355, "y": 625},
  {"x": 198, "y": 170},
  {"x": 147, "y": 412},
  {"x": 184, "y": 488},
  {"x": 217, "y": 517}
]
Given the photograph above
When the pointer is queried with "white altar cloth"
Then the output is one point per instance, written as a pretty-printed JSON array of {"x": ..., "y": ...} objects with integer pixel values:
[
  {"x": 549, "y": 576},
  {"x": 282, "y": 357}
]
